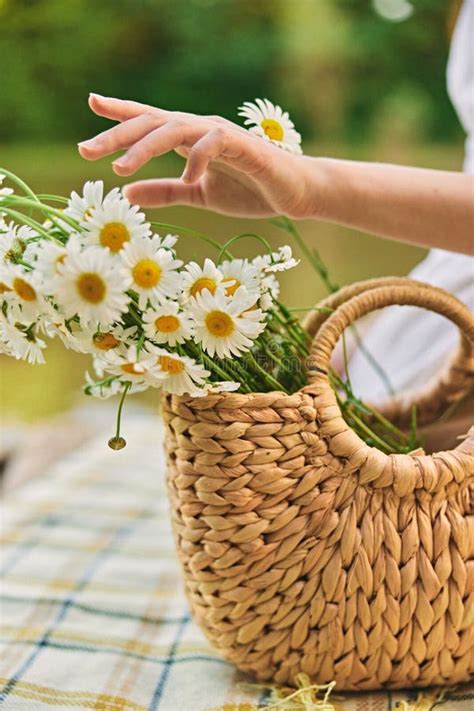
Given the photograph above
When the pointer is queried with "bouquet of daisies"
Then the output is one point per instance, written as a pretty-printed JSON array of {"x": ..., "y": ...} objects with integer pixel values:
[
  {"x": 93, "y": 272},
  {"x": 96, "y": 274}
]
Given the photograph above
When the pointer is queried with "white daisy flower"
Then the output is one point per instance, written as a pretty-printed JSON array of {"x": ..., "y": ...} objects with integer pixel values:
[
  {"x": 223, "y": 324},
  {"x": 20, "y": 344},
  {"x": 92, "y": 341},
  {"x": 8, "y": 242},
  {"x": 5, "y": 349},
  {"x": 102, "y": 390},
  {"x": 13, "y": 241},
  {"x": 179, "y": 375},
  {"x": 92, "y": 285},
  {"x": 278, "y": 261},
  {"x": 80, "y": 207},
  {"x": 270, "y": 292},
  {"x": 196, "y": 279},
  {"x": 115, "y": 223},
  {"x": 4, "y": 191},
  {"x": 109, "y": 388},
  {"x": 21, "y": 290},
  {"x": 167, "y": 242},
  {"x": 68, "y": 334},
  {"x": 222, "y": 386},
  {"x": 44, "y": 324},
  {"x": 167, "y": 324},
  {"x": 129, "y": 365},
  {"x": 272, "y": 123},
  {"x": 239, "y": 272},
  {"x": 282, "y": 260},
  {"x": 96, "y": 341},
  {"x": 48, "y": 255},
  {"x": 152, "y": 270}
]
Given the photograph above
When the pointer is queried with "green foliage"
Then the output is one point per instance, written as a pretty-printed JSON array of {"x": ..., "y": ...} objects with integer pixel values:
[
  {"x": 176, "y": 54},
  {"x": 399, "y": 67},
  {"x": 341, "y": 69}
]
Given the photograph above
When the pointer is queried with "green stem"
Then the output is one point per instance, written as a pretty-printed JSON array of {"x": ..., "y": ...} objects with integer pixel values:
[
  {"x": 322, "y": 309},
  {"x": 315, "y": 260},
  {"x": 266, "y": 377},
  {"x": 27, "y": 265},
  {"x": 413, "y": 428},
  {"x": 346, "y": 361},
  {"x": 47, "y": 209},
  {"x": 195, "y": 352},
  {"x": 189, "y": 230},
  {"x": 231, "y": 241},
  {"x": 366, "y": 429},
  {"x": 133, "y": 312},
  {"x": 100, "y": 383},
  {"x": 140, "y": 343},
  {"x": 312, "y": 256},
  {"x": 21, "y": 183},
  {"x": 238, "y": 373},
  {"x": 27, "y": 221},
  {"x": 293, "y": 328},
  {"x": 386, "y": 423},
  {"x": 53, "y": 198},
  {"x": 295, "y": 341},
  {"x": 375, "y": 365},
  {"x": 126, "y": 388}
]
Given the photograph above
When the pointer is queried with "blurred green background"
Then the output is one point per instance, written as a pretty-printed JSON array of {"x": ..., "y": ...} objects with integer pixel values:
[{"x": 361, "y": 79}]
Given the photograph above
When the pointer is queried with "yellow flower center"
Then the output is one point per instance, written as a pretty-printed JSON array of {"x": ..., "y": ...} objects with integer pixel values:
[
  {"x": 91, "y": 287},
  {"x": 131, "y": 369},
  {"x": 105, "y": 341},
  {"x": 219, "y": 324},
  {"x": 167, "y": 324},
  {"x": 114, "y": 235},
  {"x": 24, "y": 290},
  {"x": 146, "y": 273},
  {"x": 232, "y": 288},
  {"x": 4, "y": 288},
  {"x": 203, "y": 283},
  {"x": 272, "y": 129},
  {"x": 170, "y": 365}
]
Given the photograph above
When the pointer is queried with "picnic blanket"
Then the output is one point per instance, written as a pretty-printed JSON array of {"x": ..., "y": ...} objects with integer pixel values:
[{"x": 93, "y": 614}]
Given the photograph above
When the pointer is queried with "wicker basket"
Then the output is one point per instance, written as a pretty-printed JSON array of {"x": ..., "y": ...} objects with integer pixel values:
[{"x": 304, "y": 549}]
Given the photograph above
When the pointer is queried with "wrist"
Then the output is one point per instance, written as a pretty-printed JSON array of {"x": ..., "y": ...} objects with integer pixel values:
[{"x": 317, "y": 179}]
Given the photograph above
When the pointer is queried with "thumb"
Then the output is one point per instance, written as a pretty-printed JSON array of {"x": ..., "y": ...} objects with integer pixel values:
[{"x": 162, "y": 192}]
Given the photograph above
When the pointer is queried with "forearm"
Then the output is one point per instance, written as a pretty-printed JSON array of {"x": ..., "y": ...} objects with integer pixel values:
[{"x": 430, "y": 208}]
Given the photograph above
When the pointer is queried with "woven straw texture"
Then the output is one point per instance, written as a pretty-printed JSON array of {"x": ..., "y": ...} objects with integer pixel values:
[{"x": 305, "y": 550}]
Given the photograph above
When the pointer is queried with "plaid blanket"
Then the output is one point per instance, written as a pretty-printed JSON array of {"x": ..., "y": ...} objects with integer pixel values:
[{"x": 92, "y": 610}]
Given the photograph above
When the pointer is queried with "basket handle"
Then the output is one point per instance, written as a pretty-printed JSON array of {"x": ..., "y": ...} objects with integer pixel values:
[{"x": 364, "y": 297}]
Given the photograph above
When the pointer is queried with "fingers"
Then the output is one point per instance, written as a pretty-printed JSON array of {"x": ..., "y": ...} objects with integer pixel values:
[
  {"x": 207, "y": 148},
  {"x": 239, "y": 150},
  {"x": 121, "y": 136},
  {"x": 118, "y": 109},
  {"x": 123, "y": 110},
  {"x": 148, "y": 132},
  {"x": 166, "y": 191},
  {"x": 173, "y": 134}
]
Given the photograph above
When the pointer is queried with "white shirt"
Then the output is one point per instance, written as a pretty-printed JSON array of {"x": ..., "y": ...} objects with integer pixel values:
[{"x": 412, "y": 344}]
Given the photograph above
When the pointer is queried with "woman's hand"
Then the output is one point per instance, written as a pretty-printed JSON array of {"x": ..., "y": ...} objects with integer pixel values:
[
  {"x": 228, "y": 169},
  {"x": 232, "y": 171}
]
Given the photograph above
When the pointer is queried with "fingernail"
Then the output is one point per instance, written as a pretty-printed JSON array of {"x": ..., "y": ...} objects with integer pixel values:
[
  {"x": 99, "y": 96},
  {"x": 91, "y": 143},
  {"x": 121, "y": 162}
]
